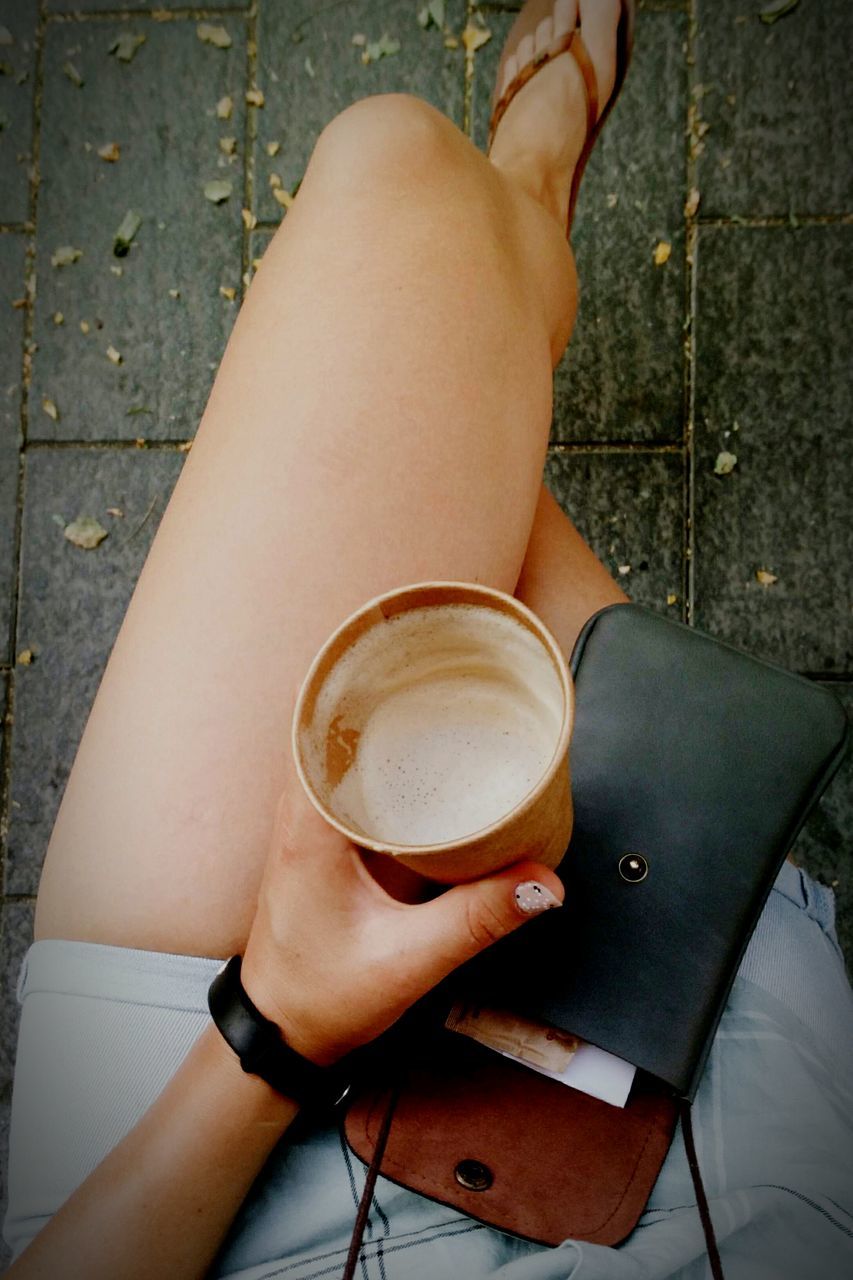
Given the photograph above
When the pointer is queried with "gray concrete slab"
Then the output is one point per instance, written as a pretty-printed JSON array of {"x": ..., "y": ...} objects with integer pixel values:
[
  {"x": 778, "y": 102},
  {"x": 138, "y": 6},
  {"x": 12, "y": 289},
  {"x": 53, "y": 695},
  {"x": 306, "y": 81},
  {"x": 17, "y": 89},
  {"x": 773, "y": 372},
  {"x": 622, "y": 376},
  {"x": 16, "y": 932},
  {"x": 161, "y": 109},
  {"x": 824, "y": 845},
  {"x": 630, "y": 508}
]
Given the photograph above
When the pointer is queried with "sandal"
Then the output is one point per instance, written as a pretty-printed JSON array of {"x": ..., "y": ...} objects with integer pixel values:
[{"x": 571, "y": 42}]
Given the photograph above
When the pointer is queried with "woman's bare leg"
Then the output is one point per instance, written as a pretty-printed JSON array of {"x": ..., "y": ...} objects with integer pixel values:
[{"x": 380, "y": 416}]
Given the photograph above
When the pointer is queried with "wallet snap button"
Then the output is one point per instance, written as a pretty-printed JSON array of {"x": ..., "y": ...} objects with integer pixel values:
[
  {"x": 633, "y": 868},
  {"x": 474, "y": 1176}
]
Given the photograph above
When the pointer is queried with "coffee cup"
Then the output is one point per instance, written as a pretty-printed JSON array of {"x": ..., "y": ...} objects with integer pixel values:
[{"x": 434, "y": 725}]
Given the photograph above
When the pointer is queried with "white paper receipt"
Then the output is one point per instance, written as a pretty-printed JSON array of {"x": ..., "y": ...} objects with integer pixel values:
[{"x": 546, "y": 1049}]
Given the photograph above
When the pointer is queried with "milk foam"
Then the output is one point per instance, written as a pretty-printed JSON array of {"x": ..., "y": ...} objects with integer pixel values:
[{"x": 458, "y": 710}]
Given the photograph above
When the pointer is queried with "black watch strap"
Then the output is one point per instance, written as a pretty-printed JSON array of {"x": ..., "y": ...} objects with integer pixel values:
[{"x": 262, "y": 1050}]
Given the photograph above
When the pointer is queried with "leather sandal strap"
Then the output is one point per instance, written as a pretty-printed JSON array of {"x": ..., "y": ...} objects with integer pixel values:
[{"x": 570, "y": 41}]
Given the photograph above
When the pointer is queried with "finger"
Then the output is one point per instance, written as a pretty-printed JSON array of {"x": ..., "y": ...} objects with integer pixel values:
[{"x": 444, "y": 933}]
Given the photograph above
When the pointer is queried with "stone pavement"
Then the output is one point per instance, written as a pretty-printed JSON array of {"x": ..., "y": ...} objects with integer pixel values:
[{"x": 714, "y": 238}]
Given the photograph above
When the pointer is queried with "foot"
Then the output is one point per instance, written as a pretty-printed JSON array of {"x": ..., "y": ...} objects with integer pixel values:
[{"x": 541, "y": 135}]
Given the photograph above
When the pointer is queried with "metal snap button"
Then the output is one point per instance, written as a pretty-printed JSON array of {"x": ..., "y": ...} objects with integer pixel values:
[
  {"x": 633, "y": 868},
  {"x": 474, "y": 1176}
]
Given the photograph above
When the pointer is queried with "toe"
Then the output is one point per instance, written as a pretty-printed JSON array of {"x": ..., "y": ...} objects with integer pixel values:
[{"x": 544, "y": 35}]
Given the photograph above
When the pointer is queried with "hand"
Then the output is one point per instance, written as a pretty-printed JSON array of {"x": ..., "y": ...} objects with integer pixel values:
[{"x": 334, "y": 960}]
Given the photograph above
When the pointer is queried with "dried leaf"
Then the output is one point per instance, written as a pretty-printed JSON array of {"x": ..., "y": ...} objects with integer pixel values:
[
  {"x": 84, "y": 326},
  {"x": 273, "y": 148},
  {"x": 142, "y": 408},
  {"x": 185, "y": 446},
  {"x": 208, "y": 33},
  {"x": 725, "y": 464},
  {"x": 217, "y": 190},
  {"x": 25, "y": 658},
  {"x": 672, "y": 598},
  {"x": 174, "y": 293},
  {"x": 115, "y": 511},
  {"x": 624, "y": 569},
  {"x": 110, "y": 152},
  {"x": 19, "y": 303},
  {"x": 73, "y": 74},
  {"x": 50, "y": 408},
  {"x": 450, "y": 42},
  {"x": 473, "y": 37},
  {"x": 612, "y": 200},
  {"x": 691, "y": 204},
  {"x": 774, "y": 12},
  {"x": 384, "y": 47},
  {"x": 65, "y": 256},
  {"x": 127, "y": 229},
  {"x": 6, "y": 36},
  {"x": 58, "y": 317},
  {"x": 228, "y": 291},
  {"x": 432, "y": 12},
  {"x": 275, "y": 180},
  {"x": 255, "y": 97},
  {"x": 224, "y": 107},
  {"x": 663, "y": 249},
  {"x": 85, "y": 532},
  {"x": 309, "y": 67},
  {"x": 117, "y": 271},
  {"x": 765, "y": 577},
  {"x": 126, "y": 45},
  {"x": 283, "y": 197},
  {"x": 359, "y": 38},
  {"x": 113, "y": 355},
  {"x": 249, "y": 219},
  {"x": 228, "y": 145}
]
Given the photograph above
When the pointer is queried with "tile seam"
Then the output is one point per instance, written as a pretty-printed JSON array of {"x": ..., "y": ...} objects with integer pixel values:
[
  {"x": 250, "y": 134},
  {"x": 691, "y": 243},
  {"x": 784, "y": 222},
  {"x": 143, "y": 15}
]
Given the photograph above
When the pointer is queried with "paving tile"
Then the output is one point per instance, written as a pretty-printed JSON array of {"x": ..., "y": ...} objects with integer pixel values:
[
  {"x": 161, "y": 109},
  {"x": 824, "y": 846},
  {"x": 299, "y": 105},
  {"x": 779, "y": 101},
  {"x": 622, "y": 375},
  {"x": 17, "y": 86},
  {"x": 629, "y": 507},
  {"x": 16, "y": 932},
  {"x": 71, "y": 645},
  {"x": 773, "y": 356},
  {"x": 12, "y": 274}
]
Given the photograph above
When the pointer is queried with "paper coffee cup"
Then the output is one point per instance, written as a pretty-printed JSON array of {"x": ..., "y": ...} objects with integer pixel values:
[{"x": 434, "y": 726}]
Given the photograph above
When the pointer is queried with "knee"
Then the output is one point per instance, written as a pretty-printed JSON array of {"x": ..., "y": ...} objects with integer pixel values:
[{"x": 397, "y": 133}]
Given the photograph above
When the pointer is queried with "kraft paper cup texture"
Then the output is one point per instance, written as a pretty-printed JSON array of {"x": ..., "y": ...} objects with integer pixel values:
[{"x": 538, "y": 827}]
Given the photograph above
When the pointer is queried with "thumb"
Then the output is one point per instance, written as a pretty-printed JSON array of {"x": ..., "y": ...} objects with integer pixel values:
[{"x": 466, "y": 919}]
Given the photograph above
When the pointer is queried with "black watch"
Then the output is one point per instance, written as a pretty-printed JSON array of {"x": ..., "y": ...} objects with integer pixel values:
[{"x": 262, "y": 1050}]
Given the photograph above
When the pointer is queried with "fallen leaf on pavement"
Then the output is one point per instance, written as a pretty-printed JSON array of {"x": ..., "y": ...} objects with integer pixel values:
[
  {"x": 73, "y": 74},
  {"x": 65, "y": 256},
  {"x": 126, "y": 45},
  {"x": 85, "y": 532},
  {"x": 663, "y": 249},
  {"x": 217, "y": 190},
  {"x": 113, "y": 355},
  {"x": 725, "y": 464},
  {"x": 691, "y": 204},
  {"x": 473, "y": 37},
  {"x": 255, "y": 97},
  {"x": 127, "y": 229},
  {"x": 765, "y": 578},
  {"x": 50, "y": 408},
  {"x": 224, "y": 107},
  {"x": 208, "y": 33},
  {"x": 25, "y": 658}
]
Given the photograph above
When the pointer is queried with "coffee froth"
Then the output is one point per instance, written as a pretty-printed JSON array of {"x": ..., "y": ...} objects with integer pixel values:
[{"x": 435, "y": 724}]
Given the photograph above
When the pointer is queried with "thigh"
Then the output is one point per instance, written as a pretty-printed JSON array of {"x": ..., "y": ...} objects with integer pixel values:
[{"x": 380, "y": 416}]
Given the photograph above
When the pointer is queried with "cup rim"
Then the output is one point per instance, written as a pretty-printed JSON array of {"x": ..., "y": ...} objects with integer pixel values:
[{"x": 543, "y": 633}]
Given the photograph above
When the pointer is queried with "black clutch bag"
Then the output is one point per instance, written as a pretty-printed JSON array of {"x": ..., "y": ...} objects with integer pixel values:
[{"x": 694, "y": 767}]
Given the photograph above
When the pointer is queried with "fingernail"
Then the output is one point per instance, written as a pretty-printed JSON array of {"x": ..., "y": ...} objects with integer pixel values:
[{"x": 532, "y": 897}]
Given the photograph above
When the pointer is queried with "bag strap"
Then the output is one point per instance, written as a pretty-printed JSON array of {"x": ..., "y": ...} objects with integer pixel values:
[
  {"x": 370, "y": 1182},
  {"x": 701, "y": 1198}
]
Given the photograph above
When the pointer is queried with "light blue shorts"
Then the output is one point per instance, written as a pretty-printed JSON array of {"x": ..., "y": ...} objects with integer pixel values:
[{"x": 103, "y": 1029}]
